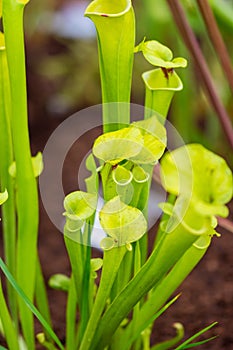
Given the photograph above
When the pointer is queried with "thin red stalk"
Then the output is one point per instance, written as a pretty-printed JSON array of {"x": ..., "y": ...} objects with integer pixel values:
[
  {"x": 226, "y": 224},
  {"x": 194, "y": 48},
  {"x": 156, "y": 174},
  {"x": 216, "y": 39}
]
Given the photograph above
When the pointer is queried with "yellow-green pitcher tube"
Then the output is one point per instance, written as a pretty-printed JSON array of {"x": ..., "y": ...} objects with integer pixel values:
[
  {"x": 115, "y": 26},
  {"x": 160, "y": 88}
]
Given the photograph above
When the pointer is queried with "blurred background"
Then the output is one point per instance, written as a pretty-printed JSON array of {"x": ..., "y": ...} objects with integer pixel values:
[{"x": 63, "y": 77}]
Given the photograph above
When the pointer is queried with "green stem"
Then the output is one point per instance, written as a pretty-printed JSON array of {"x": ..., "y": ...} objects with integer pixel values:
[
  {"x": 109, "y": 186},
  {"x": 170, "y": 199},
  {"x": 6, "y": 156},
  {"x": 71, "y": 316},
  {"x": 146, "y": 338},
  {"x": 169, "y": 344},
  {"x": 75, "y": 251},
  {"x": 111, "y": 264},
  {"x": 27, "y": 200},
  {"x": 79, "y": 255},
  {"x": 41, "y": 297},
  {"x": 143, "y": 206},
  {"x": 169, "y": 250},
  {"x": 10, "y": 331},
  {"x": 124, "y": 274},
  {"x": 136, "y": 309},
  {"x": 85, "y": 302},
  {"x": 30, "y": 305},
  {"x": 165, "y": 289}
]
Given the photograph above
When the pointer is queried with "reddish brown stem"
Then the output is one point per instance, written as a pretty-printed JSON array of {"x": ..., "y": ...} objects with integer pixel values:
[
  {"x": 226, "y": 224},
  {"x": 216, "y": 39},
  {"x": 194, "y": 48}
]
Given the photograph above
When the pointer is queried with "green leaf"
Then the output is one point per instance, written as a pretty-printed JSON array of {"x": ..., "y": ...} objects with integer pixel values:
[
  {"x": 151, "y": 152},
  {"x": 71, "y": 309},
  {"x": 80, "y": 205},
  {"x": 107, "y": 243},
  {"x": 193, "y": 345},
  {"x": 118, "y": 145},
  {"x": 142, "y": 142},
  {"x": 122, "y": 176},
  {"x": 7, "y": 326},
  {"x": 160, "y": 55},
  {"x": 112, "y": 261},
  {"x": 153, "y": 127},
  {"x": 139, "y": 174},
  {"x": 92, "y": 182},
  {"x": 27, "y": 192},
  {"x": 22, "y": 344},
  {"x": 46, "y": 344},
  {"x": 179, "y": 62},
  {"x": 109, "y": 185},
  {"x": 123, "y": 223},
  {"x": 37, "y": 164},
  {"x": 170, "y": 248},
  {"x": 2, "y": 40},
  {"x": 96, "y": 264},
  {"x": 12, "y": 169},
  {"x": 166, "y": 207},
  {"x": 194, "y": 169},
  {"x": 168, "y": 344},
  {"x": 168, "y": 285},
  {"x": 203, "y": 242},
  {"x": 153, "y": 50},
  {"x": 59, "y": 282},
  {"x": 3, "y": 197},
  {"x": 188, "y": 341},
  {"x": 29, "y": 304},
  {"x": 132, "y": 336},
  {"x": 23, "y": 2},
  {"x": 41, "y": 297},
  {"x": 154, "y": 137},
  {"x": 73, "y": 223}
]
